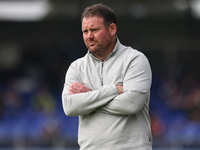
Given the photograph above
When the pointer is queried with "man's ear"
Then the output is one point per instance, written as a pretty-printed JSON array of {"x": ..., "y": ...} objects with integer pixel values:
[{"x": 113, "y": 29}]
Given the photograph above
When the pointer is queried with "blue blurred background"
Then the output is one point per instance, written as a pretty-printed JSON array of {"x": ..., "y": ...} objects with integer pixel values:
[{"x": 40, "y": 38}]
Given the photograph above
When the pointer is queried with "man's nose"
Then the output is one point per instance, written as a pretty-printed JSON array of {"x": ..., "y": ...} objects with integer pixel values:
[{"x": 90, "y": 35}]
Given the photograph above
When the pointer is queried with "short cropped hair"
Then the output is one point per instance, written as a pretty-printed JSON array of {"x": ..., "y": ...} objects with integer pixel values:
[{"x": 102, "y": 11}]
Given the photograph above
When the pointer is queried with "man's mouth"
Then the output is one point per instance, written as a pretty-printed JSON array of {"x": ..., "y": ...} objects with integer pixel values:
[{"x": 91, "y": 43}]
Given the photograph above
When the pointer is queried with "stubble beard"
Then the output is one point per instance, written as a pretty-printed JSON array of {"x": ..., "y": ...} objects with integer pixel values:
[{"x": 99, "y": 50}]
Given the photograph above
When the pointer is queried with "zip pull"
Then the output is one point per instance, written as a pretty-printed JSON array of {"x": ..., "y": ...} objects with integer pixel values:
[
  {"x": 101, "y": 81},
  {"x": 102, "y": 73}
]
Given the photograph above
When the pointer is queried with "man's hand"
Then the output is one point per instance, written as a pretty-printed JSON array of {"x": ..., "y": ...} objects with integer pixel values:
[
  {"x": 119, "y": 89},
  {"x": 76, "y": 88}
]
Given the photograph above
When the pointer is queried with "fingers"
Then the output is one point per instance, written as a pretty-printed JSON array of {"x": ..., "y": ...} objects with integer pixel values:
[
  {"x": 76, "y": 85},
  {"x": 72, "y": 91},
  {"x": 76, "y": 88}
]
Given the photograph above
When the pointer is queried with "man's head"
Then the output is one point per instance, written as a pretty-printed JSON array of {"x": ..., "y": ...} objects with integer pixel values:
[
  {"x": 99, "y": 30},
  {"x": 101, "y": 11}
]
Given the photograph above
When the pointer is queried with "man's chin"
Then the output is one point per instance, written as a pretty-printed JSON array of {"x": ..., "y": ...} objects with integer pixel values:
[{"x": 91, "y": 49}]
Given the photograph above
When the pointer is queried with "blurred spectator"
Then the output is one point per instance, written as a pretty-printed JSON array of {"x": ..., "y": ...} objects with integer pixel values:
[
  {"x": 181, "y": 96},
  {"x": 191, "y": 103},
  {"x": 158, "y": 127},
  {"x": 43, "y": 101},
  {"x": 12, "y": 101},
  {"x": 51, "y": 128}
]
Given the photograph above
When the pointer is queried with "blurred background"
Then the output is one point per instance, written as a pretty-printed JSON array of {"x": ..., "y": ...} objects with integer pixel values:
[{"x": 40, "y": 38}]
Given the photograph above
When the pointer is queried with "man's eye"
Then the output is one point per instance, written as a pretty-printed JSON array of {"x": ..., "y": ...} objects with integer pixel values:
[
  {"x": 94, "y": 30},
  {"x": 85, "y": 31}
]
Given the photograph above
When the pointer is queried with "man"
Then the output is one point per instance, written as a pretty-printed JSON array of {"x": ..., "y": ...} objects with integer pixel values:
[{"x": 108, "y": 88}]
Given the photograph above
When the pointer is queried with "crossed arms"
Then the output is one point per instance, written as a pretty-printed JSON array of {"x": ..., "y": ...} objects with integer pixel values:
[
  {"x": 128, "y": 99},
  {"x": 76, "y": 88}
]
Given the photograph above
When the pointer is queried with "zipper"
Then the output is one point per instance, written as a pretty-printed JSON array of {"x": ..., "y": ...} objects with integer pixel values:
[{"x": 102, "y": 73}]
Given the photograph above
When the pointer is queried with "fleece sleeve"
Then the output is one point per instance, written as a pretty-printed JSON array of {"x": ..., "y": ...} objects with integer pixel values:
[
  {"x": 84, "y": 103},
  {"x": 136, "y": 87}
]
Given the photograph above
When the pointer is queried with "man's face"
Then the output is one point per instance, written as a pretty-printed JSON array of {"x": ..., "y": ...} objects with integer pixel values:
[{"x": 96, "y": 36}]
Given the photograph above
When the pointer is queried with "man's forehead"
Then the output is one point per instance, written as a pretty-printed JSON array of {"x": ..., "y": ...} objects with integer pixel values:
[{"x": 91, "y": 21}]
